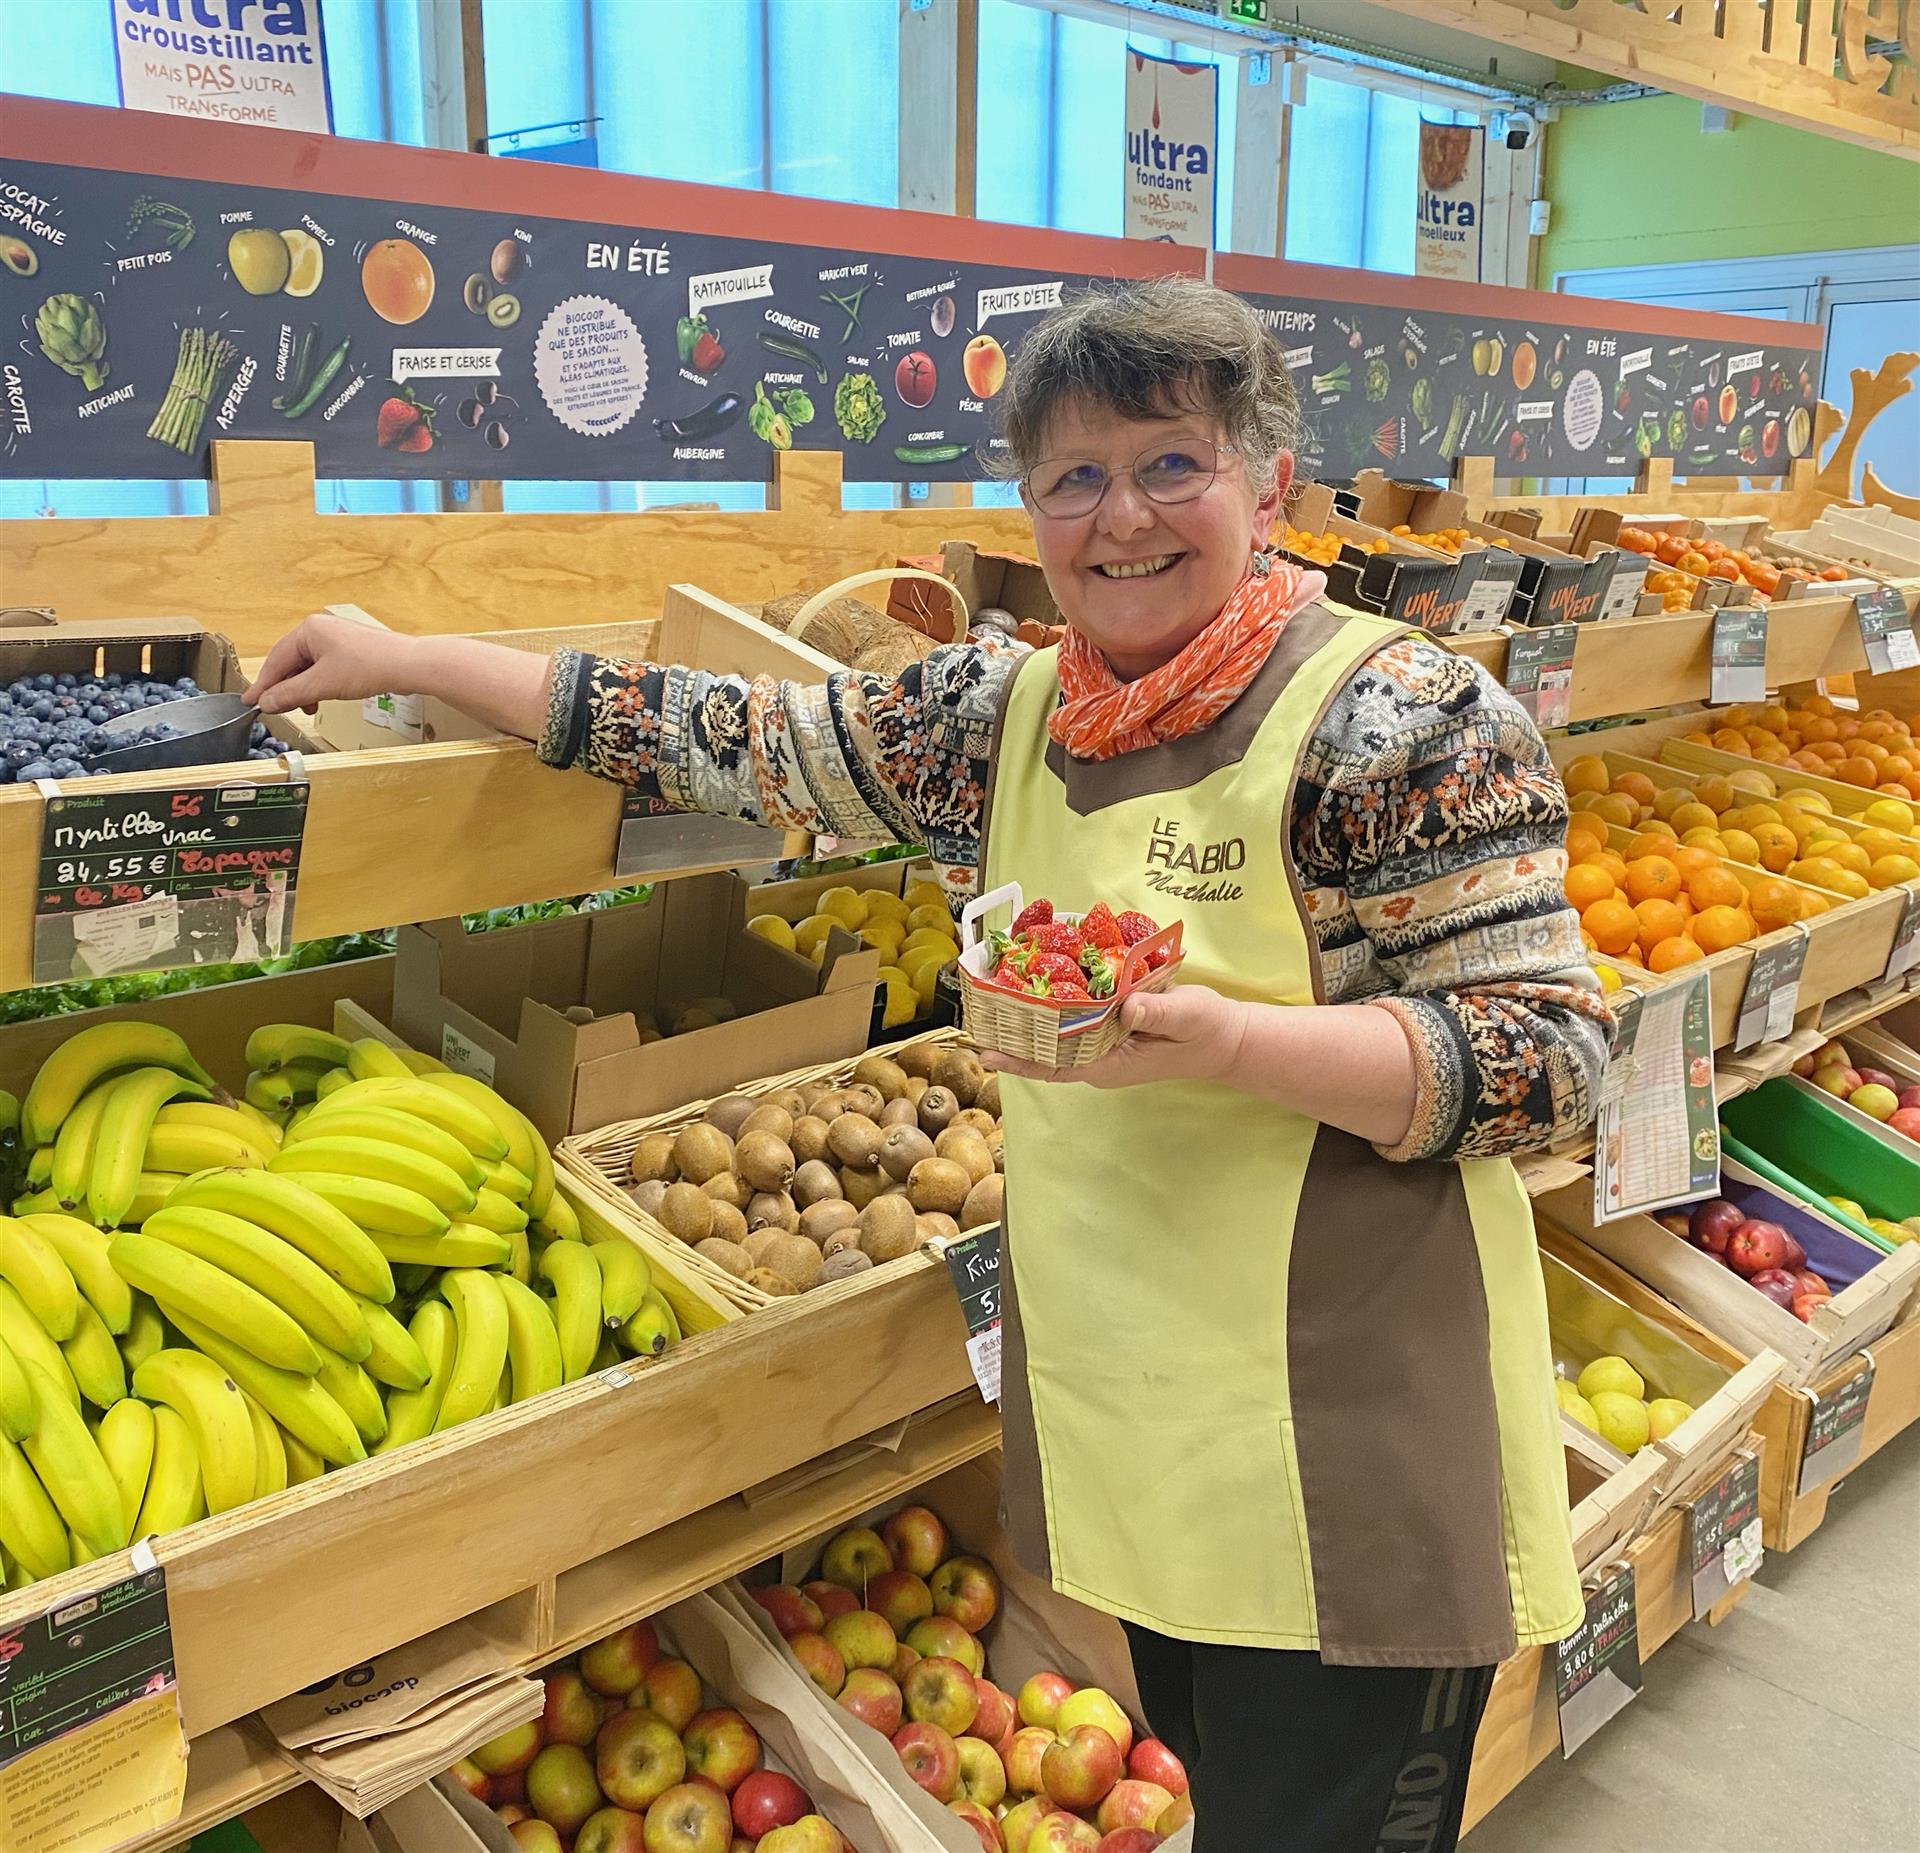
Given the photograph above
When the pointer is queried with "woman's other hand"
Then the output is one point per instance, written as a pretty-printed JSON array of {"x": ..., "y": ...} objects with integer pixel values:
[
  {"x": 328, "y": 658},
  {"x": 1189, "y": 1033}
]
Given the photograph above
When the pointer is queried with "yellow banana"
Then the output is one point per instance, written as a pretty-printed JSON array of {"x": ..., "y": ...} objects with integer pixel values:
[
  {"x": 246, "y": 1122},
  {"x": 94, "y": 1359},
  {"x": 393, "y": 1357},
  {"x": 404, "y": 1129},
  {"x": 427, "y": 1097},
  {"x": 461, "y": 1245},
  {"x": 372, "y": 1060},
  {"x": 153, "y": 1190},
  {"x": 16, "y": 1396},
  {"x": 35, "y": 1202},
  {"x": 206, "y": 1397},
  {"x": 67, "y": 1461},
  {"x": 625, "y": 1278},
  {"x": 303, "y": 1463},
  {"x": 520, "y": 1261},
  {"x": 561, "y": 1223},
  {"x": 146, "y": 1332},
  {"x": 114, "y": 1177},
  {"x": 181, "y": 1283},
  {"x": 332, "y": 1080},
  {"x": 652, "y": 1329},
  {"x": 493, "y": 1211},
  {"x": 533, "y": 1346},
  {"x": 84, "y": 1250},
  {"x": 378, "y": 1207},
  {"x": 72, "y": 1148},
  {"x": 301, "y": 1288},
  {"x": 271, "y": 1094},
  {"x": 269, "y": 1453},
  {"x": 356, "y": 1393},
  {"x": 267, "y": 1128},
  {"x": 174, "y": 1495},
  {"x": 31, "y": 1265},
  {"x": 317, "y": 1148},
  {"x": 501, "y": 1176},
  {"x": 40, "y": 1168},
  {"x": 300, "y": 1405},
  {"x": 27, "y": 1338},
  {"x": 90, "y": 1056},
  {"x": 607, "y": 1355},
  {"x": 274, "y": 1045},
  {"x": 291, "y": 1211},
  {"x": 126, "y": 1441},
  {"x": 188, "y": 1149},
  {"x": 510, "y": 1123},
  {"x": 418, "y": 1063},
  {"x": 31, "y": 1527},
  {"x": 411, "y": 1414},
  {"x": 480, "y": 1316},
  {"x": 575, "y": 1277}
]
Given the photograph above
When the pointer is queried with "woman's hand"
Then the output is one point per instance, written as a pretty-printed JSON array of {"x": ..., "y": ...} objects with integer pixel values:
[
  {"x": 1190, "y": 1033},
  {"x": 327, "y": 658}
]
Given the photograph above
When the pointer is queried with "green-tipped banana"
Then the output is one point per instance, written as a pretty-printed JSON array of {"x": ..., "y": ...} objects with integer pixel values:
[
  {"x": 295, "y": 1118},
  {"x": 187, "y": 1149},
  {"x": 17, "y": 1408},
  {"x": 27, "y": 1339},
  {"x": 35, "y": 1202},
  {"x": 560, "y": 1223},
  {"x": 356, "y": 1393},
  {"x": 182, "y": 1283},
  {"x": 269, "y": 1453},
  {"x": 288, "y": 1209},
  {"x": 502, "y": 1177},
  {"x": 411, "y": 1414},
  {"x": 303, "y": 1406},
  {"x": 533, "y": 1346},
  {"x": 607, "y": 1355},
  {"x": 379, "y": 1208},
  {"x": 575, "y": 1277},
  {"x": 393, "y": 1358},
  {"x": 71, "y": 1160},
  {"x": 333, "y": 1080},
  {"x": 83, "y": 1060},
  {"x": 301, "y": 1288},
  {"x": 402, "y": 1129},
  {"x": 125, "y": 1127},
  {"x": 625, "y": 1278},
  {"x": 84, "y": 1249},
  {"x": 175, "y": 1495},
  {"x": 126, "y": 1440},
  {"x": 480, "y": 1314},
  {"x": 67, "y": 1461},
  {"x": 493, "y": 1211},
  {"x": 379, "y": 1161},
  {"x": 303, "y": 1463},
  {"x": 40, "y": 1168},
  {"x": 271, "y": 1094},
  {"x": 460, "y": 1246},
  {"x": 31, "y": 1528},
  {"x": 146, "y": 1333},
  {"x": 274, "y": 1045},
  {"x": 31, "y": 1265},
  {"x": 94, "y": 1359},
  {"x": 372, "y": 1060},
  {"x": 652, "y": 1329},
  {"x": 426, "y": 1097}
]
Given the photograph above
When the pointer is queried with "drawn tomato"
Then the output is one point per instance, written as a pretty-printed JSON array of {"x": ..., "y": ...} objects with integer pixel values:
[{"x": 914, "y": 377}]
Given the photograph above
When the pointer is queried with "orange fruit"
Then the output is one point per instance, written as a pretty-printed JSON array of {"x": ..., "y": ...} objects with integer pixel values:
[
  {"x": 1849, "y": 856},
  {"x": 1740, "y": 847},
  {"x": 1811, "y": 903},
  {"x": 1658, "y": 920},
  {"x": 1857, "y": 771},
  {"x": 1717, "y": 886},
  {"x": 1635, "y": 785},
  {"x": 1632, "y": 956},
  {"x": 1773, "y": 903},
  {"x": 1613, "y": 862},
  {"x": 1651, "y": 878},
  {"x": 1730, "y": 742},
  {"x": 1878, "y": 842},
  {"x": 1617, "y": 808},
  {"x": 1818, "y": 872},
  {"x": 1669, "y": 799},
  {"x": 1691, "y": 858},
  {"x": 1613, "y": 924},
  {"x": 1587, "y": 773},
  {"x": 1670, "y": 953},
  {"x": 1587, "y": 884},
  {"x": 1715, "y": 791},
  {"x": 1775, "y": 844},
  {"x": 1716, "y": 928},
  {"x": 1695, "y": 816},
  {"x": 1772, "y": 717},
  {"x": 1654, "y": 840},
  {"x": 1893, "y": 868}
]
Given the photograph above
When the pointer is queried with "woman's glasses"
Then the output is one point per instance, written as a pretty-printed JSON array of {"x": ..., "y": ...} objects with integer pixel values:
[{"x": 1176, "y": 472}]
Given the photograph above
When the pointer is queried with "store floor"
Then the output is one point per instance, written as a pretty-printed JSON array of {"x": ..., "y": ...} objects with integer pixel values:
[{"x": 1794, "y": 1727}]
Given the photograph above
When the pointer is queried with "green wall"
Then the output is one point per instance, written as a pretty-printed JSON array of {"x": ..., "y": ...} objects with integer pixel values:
[{"x": 1637, "y": 183}]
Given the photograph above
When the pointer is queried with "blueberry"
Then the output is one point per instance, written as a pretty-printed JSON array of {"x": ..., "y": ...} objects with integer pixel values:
[
  {"x": 43, "y": 710},
  {"x": 96, "y": 714},
  {"x": 257, "y": 733},
  {"x": 112, "y": 679},
  {"x": 34, "y": 769}
]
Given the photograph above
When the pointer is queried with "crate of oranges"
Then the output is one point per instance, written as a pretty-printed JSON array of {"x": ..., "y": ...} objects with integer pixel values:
[
  {"x": 1874, "y": 752},
  {"x": 1684, "y": 559}
]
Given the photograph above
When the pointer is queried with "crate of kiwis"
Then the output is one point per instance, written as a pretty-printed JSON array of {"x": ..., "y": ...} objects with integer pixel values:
[{"x": 812, "y": 1177}]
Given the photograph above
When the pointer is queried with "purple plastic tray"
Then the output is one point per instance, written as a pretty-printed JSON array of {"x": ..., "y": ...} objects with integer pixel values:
[{"x": 1837, "y": 1257}]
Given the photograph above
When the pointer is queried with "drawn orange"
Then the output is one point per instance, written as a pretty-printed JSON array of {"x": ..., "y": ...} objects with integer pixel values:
[
  {"x": 1674, "y": 952},
  {"x": 1651, "y": 878},
  {"x": 1587, "y": 884},
  {"x": 397, "y": 280},
  {"x": 1613, "y": 924}
]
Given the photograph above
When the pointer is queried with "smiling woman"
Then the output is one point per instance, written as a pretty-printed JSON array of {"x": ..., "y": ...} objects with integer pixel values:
[{"x": 1299, "y": 1158}]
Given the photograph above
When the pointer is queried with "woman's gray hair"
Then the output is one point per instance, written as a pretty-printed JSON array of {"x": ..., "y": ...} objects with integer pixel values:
[{"x": 1153, "y": 349}]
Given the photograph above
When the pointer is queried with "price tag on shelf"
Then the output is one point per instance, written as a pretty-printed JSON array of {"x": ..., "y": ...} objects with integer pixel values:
[
  {"x": 1906, "y": 938},
  {"x": 1723, "y": 1533},
  {"x": 1739, "y": 670},
  {"x": 1886, "y": 630},
  {"x": 973, "y": 1263},
  {"x": 1834, "y": 1430},
  {"x": 155, "y": 880},
  {"x": 657, "y": 839},
  {"x": 1597, "y": 1671},
  {"x": 1540, "y": 672},
  {"x": 1624, "y": 588},
  {"x": 1658, "y": 1137},
  {"x": 1773, "y": 990}
]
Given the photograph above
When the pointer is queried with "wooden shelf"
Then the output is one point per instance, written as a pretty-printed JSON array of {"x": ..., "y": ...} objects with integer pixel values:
[{"x": 231, "y": 1770}]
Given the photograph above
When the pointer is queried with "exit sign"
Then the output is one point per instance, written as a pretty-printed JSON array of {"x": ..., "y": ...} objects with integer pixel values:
[{"x": 1254, "y": 10}]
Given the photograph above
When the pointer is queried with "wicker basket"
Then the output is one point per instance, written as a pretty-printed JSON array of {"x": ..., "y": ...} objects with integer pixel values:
[
  {"x": 1052, "y": 1032},
  {"x": 600, "y": 1162}
]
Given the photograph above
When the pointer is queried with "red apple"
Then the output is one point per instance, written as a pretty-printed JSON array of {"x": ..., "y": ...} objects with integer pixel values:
[
  {"x": 994, "y": 1716},
  {"x": 1777, "y": 1284},
  {"x": 1905, "y": 1121},
  {"x": 1041, "y": 1698},
  {"x": 618, "y": 1663},
  {"x": 917, "y": 1538},
  {"x": 1756, "y": 1246},
  {"x": 1129, "y": 1840},
  {"x": 930, "y": 1758},
  {"x": 830, "y": 1599},
  {"x": 637, "y": 1758},
  {"x": 574, "y": 1710},
  {"x": 1713, "y": 1223},
  {"x": 941, "y": 1634},
  {"x": 874, "y": 1699},
  {"x": 966, "y": 1590},
  {"x": 1877, "y": 1077},
  {"x": 901, "y": 1597},
  {"x": 766, "y": 1799},
  {"x": 820, "y": 1661},
  {"x": 1837, "y": 1079},
  {"x": 1803, "y": 1067},
  {"x": 1910, "y": 1094},
  {"x": 812, "y": 1833},
  {"x": 985, "y": 1827},
  {"x": 690, "y": 1818},
  {"x": 855, "y": 1558},
  {"x": 473, "y": 1779},
  {"x": 1132, "y": 1804},
  {"x": 1152, "y": 1761},
  {"x": 511, "y": 1786},
  {"x": 1079, "y": 1768},
  {"x": 614, "y": 1830},
  {"x": 1805, "y": 1305},
  {"x": 535, "y": 1836},
  {"x": 721, "y": 1746},
  {"x": 511, "y": 1751},
  {"x": 1024, "y": 1757},
  {"x": 1796, "y": 1254},
  {"x": 1090, "y": 1705},
  {"x": 1018, "y": 1823},
  {"x": 904, "y": 1661},
  {"x": 862, "y": 1638},
  {"x": 1175, "y": 1817},
  {"x": 1809, "y": 1282},
  {"x": 673, "y": 1690},
  {"x": 562, "y": 1787},
  {"x": 940, "y": 1691},
  {"x": 983, "y": 1777},
  {"x": 793, "y": 1610},
  {"x": 1064, "y": 1833}
]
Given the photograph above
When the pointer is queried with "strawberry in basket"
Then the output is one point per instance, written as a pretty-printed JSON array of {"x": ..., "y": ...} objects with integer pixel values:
[{"x": 1069, "y": 961}]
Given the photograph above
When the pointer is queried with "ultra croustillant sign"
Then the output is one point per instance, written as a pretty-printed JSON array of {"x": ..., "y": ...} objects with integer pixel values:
[{"x": 255, "y": 61}]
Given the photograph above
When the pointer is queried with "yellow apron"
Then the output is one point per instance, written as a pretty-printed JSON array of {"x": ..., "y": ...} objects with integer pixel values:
[{"x": 1261, "y": 1386}]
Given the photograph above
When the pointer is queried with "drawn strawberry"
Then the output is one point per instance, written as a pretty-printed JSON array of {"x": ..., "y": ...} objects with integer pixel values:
[{"x": 403, "y": 423}]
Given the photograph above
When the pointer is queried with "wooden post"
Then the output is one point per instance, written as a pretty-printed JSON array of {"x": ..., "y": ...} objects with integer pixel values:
[{"x": 1262, "y": 139}]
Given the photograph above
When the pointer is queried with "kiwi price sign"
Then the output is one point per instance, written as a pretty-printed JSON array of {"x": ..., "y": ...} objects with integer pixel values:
[{"x": 973, "y": 1262}]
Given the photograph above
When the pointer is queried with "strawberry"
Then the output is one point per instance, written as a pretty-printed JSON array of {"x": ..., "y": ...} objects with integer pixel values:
[
  {"x": 1102, "y": 965},
  {"x": 1057, "y": 936},
  {"x": 403, "y": 424},
  {"x": 1010, "y": 975},
  {"x": 1134, "y": 927},
  {"x": 1056, "y": 969},
  {"x": 1035, "y": 913},
  {"x": 1100, "y": 927},
  {"x": 1061, "y": 989}
]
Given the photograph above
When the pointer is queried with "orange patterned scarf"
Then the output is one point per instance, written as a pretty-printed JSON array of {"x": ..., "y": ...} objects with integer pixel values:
[{"x": 1101, "y": 716}]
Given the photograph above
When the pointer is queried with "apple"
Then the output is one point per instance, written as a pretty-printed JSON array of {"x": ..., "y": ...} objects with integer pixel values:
[
  {"x": 941, "y": 1634},
  {"x": 1876, "y": 1102},
  {"x": 983, "y": 1824},
  {"x": 1129, "y": 1840},
  {"x": 1081, "y": 1766},
  {"x": 1796, "y": 1253},
  {"x": 966, "y": 1590},
  {"x": 994, "y": 1716},
  {"x": 473, "y": 1779},
  {"x": 510, "y": 1751},
  {"x": 766, "y": 1799},
  {"x": 1756, "y": 1246},
  {"x": 940, "y": 1691},
  {"x": 618, "y": 1663},
  {"x": 1059, "y": 1832},
  {"x": 1777, "y": 1284},
  {"x": 1152, "y": 1761},
  {"x": 1805, "y": 1305},
  {"x": 874, "y": 1699},
  {"x": 914, "y": 378},
  {"x": 812, "y": 1833},
  {"x": 1018, "y": 1823},
  {"x": 855, "y": 1558},
  {"x": 984, "y": 362},
  {"x": 1092, "y": 1706},
  {"x": 1024, "y": 1756},
  {"x": 562, "y": 1787},
  {"x": 1906, "y": 1121},
  {"x": 535, "y": 1836},
  {"x": 1713, "y": 1223},
  {"x": 830, "y": 1599},
  {"x": 1041, "y": 1698},
  {"x": 613, "y": 1830},
  {"x": 1132, "y": 1804},
  {"x": 692, "y": 1817},
  {"x": 904, "y": 1661},
  {"x": 1910, "y": 1094},
  {"x": 721, "y": 1746},
  {"x": 637, "y": 1758},
  {"x": 1676, "y": 1222},
  {"x": 1175, "y": 1817},
  {"x": 901, "y": 1597},
  {"x": 930, "y": 1758},
  {"x": 793, "y": 1610},
  {"x": 1809, "y": 1282},
  {"x": 820, "y": 1661},
  {"x": 673, "y": 1690},
  {"x": 511, "y": 1786},
  {"x": 1837, "y": 1079},
  {"x": 510, "y": 1812},
  {"x": 983, "y": 1777},
  {"x": 917, "y": 1538},
  {"x": 574, "y": 1713},
  {"x": 1878, "y": 1077},
  {"x": 862, "y": 1638}
]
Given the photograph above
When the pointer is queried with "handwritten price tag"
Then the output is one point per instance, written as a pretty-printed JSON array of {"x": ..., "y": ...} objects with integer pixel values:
[
  {"x": 1597, "y": 1672},
  {"x": 973, "y": 1262}
]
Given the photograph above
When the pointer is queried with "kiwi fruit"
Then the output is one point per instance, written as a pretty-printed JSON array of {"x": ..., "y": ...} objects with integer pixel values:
[
  {"x": 917, "y": 1059},
  {"x": 759, "y": 1241},
  {"x": 687, "y": 1211},
  {"x": 973, "y": 1119},
  {"x": 937, "y": 1184},
  {"x": 902, "y": 1149},
  {"x": 960, "y": 1074},
  {"x": 938, "y": 1105},
  {"x": 789, "y": 1100},
  {"x": 768, "y": 1281},
  {"x": 809, "y": 1141},
  {"x": 812, "y": 1094},
  {"x": 653, "y": 1159},
  {"x": 866, "y": 1101},
  {"x": 901, "y": 1112},
  {"x": 997, "y": 1145},
  {"x": 935, "y": 1227},
  {"x": 855, "y": 1140},
  {"x": 647, "y": 1196},
  {"x": 841, "y": 1240},
  {"x": 776, "y": 1120},
  {"x": 727, "y": 1188},
  {"x": 795, "y": 1257},
  {"x": 729, "y": 1256},
  {"x": 886, "y": 1077},
  {"x": 815, "y": 1182},
  {"x": 985, "y": 1203},
  {"x": 764, "y": 1161},
  {"x": 702, "y": 1151},
  {"x": 861, "y": 1187},
  {"x": 988, "y": 1098},
  {"x": 843, "y": 1266},
  {"x": 820, "y": 1222},
  {"x": 917, "y": 1085},
  {"x": 828, "y": 1104},
  {"x": 956, "y": 1140},
  {"x": 887, "y": 1229},
  {"x": 732, "y": 1113},
  {"x": 729, "y": 1224},
  {"x": 773, "y": 1209}
]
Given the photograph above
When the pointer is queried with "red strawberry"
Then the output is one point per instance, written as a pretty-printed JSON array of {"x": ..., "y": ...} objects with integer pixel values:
[
  {"x": 1057, "y": 936},
  {"x": 1101, "y": 928},
  {"x": 1056, "y": 969},
  {"x": 1134, "y": 927},
  {"x": 1009, "y": 974},
  {"x": 1035, "y": 913},
  {"x": 1161, "y": 957}
]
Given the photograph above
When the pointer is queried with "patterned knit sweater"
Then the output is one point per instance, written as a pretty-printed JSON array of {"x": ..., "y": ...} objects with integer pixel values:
[{"x": 1427, "y": 829}]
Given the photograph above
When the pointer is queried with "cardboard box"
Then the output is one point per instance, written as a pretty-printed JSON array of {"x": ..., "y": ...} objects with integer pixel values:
[
  {"x": 1007, "y": 582},
  {"x": 495, "y": 1005},
  {"x": 1558, "y": 586}
]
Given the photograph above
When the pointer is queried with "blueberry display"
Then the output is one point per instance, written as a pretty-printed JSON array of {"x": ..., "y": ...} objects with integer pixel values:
[{"x": 50, "y": 723}]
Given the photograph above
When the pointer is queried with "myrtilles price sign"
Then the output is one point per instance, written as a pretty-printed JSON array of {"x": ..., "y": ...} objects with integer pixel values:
[{"x": 414, "y": 313}]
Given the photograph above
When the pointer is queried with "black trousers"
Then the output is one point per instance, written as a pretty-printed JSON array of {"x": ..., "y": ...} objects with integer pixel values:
[{"x": 1286, "y": 1754}]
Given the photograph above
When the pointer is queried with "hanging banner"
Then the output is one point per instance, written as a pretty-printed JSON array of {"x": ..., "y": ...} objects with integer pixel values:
[
  {"x": 1172, "y": 110},
  {"x": 257, "y": 61},
  {"x": 1452, "y": 182}
]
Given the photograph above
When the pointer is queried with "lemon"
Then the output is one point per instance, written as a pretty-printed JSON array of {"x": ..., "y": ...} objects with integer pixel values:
[
  {"x": 1889, "y": 814},
  {"x": 1611, "y": 1373},
  {"x": 772, "y": 929},
  {"x": 929, "y": 936},
  {"x": 1581, "y": 1410},
  {"x": 1847, "y": 1207},
  {"x": 811, "y": 934},
  {"x": 307, "y": 258},
  {"x": 911, "y": 962},
  {"x": 884, "y": 906},
  {"x": 886, "y": 938},
  {"x": 929, "y": 918},
  {"x": 1623, "y": 1420},
  {"x": 1609, "y": 978},
  {"x": 1807, "y": 800},
  {"x": 903, "y": 999},
  {"x": 847, "y": 905},
  {"x": 926, "y": 894},
  {"x": 926, "y": 981},
  {"x": 1665, "y": 1414}
]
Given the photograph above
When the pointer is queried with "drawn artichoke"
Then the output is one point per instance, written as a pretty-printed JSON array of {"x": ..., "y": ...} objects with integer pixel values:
[{"x": 74, "y": 338}]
